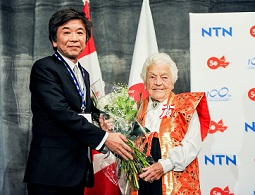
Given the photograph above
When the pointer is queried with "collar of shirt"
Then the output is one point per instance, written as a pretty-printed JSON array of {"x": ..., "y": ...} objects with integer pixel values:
[
  {"x": 160, "y": 104},
  {"x": 69, "y": 62}
]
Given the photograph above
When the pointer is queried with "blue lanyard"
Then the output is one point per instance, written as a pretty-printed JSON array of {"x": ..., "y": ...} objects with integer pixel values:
[{"x": 81, "y": 92}]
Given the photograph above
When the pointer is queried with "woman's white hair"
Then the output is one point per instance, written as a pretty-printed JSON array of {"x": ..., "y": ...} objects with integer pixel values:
[{"x": 158, "y": 59}]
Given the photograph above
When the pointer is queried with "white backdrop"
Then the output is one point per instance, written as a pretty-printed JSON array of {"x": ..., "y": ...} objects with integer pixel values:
[{"x": 222, "y": 51}]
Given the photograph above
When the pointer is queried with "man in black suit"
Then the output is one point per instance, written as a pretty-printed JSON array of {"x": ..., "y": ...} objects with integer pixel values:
[{"x": 58, "y": 162}]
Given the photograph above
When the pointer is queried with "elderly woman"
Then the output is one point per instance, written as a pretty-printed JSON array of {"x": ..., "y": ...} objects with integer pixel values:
[{"x": 178, "y": 124}]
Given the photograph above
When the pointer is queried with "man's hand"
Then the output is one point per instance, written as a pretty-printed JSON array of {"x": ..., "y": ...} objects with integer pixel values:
[
  {"x": 106, "y": 125},
  {"x": 116, "y": 143}
]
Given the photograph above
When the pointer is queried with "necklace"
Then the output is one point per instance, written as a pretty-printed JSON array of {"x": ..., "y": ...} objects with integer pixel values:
[{"x": 155, "y": 104}]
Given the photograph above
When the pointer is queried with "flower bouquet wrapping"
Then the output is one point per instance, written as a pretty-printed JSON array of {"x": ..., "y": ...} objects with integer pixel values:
[{"x": 122, "y": 109}]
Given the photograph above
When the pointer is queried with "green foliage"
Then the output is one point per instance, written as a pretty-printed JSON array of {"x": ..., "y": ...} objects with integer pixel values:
[{"x": 123, "y": 109}]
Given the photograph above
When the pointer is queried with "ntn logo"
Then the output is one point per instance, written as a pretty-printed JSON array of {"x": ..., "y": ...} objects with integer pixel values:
[
  {"x": 251, "y": 127},
  {"x": 217, "y": 31},
  {"x": 220, "y": 159}
]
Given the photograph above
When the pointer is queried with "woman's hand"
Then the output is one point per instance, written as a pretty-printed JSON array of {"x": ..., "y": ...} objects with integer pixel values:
[{"x": 153, "y": 172}]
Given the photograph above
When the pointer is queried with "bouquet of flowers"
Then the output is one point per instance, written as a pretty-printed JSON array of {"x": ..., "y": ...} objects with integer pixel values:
[{"x": 122, "y": 109}]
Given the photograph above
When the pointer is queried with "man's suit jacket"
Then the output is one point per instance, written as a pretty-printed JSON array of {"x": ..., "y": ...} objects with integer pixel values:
[{"x": 60, "y": 137}]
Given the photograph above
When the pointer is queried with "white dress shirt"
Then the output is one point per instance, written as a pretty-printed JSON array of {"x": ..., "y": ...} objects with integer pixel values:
[{"x": 71, "y": 65}]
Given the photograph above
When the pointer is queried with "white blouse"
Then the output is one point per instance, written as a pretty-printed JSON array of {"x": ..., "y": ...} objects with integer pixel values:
[{"x": 179, "y": 157}]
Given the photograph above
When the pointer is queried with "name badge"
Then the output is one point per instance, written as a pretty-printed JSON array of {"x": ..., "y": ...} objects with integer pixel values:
[{"x": 87, "y": 116}]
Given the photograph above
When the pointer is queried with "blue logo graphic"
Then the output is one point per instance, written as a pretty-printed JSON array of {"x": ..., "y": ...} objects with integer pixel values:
[
  {"x": 218, "y": 94},
  {"x": 220, "y": 159},
  {"x": 217, "y": 31},
  {"x": 251, "y": 63},
  {"x": 251, "y": 127}
]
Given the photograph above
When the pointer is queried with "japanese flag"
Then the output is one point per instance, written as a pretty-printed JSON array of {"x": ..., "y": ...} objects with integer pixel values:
[{"x": 145, "y": 45}]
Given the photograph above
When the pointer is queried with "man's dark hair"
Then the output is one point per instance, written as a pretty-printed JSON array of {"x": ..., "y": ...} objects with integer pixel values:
[{"x": 63, "y": 16}]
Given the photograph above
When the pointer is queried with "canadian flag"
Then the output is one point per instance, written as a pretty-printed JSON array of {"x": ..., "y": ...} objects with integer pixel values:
[
  {"x": 89, "y": 60},
  {"x": 105, "y": 179},
  {"x": 145, "y": 45},
  {"x": 102, "y": 164}
]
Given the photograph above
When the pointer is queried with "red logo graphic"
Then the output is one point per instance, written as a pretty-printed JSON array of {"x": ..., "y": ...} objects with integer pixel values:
[
  {"x": 215, "y": 62},
  {"x": 219, "y": 191},
  {"x": 214, "y": 127},
  {"x": 167, "y": 111},
  {"x": 252, "y": 31},
  {"x": 251, "y": 94}
]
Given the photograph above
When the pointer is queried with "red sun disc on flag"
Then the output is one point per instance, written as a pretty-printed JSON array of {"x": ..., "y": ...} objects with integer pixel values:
[{"x": 138, "y": 92}]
